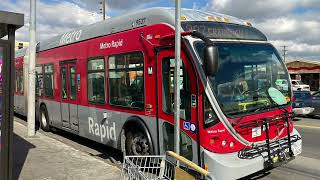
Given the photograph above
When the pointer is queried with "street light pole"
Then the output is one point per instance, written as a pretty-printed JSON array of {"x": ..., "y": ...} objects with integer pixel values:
[
  {"x": 177, "y": 77},
  {"x": 284, "y": 52},
  {"x": 31, "y": 74}
]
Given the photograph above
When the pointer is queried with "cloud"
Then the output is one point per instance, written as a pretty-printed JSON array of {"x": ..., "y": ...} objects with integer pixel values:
[
  {"x": 310, "y": 3},
  {"x": 52, "y": 18},
  {"x": 94, "y": 5},
  {"x": 294, "y": 23},
  {"x": 297, "y": 50},
  {"x": 248, "y": 9}
]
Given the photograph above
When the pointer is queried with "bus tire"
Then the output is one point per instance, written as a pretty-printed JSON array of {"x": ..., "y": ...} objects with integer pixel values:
[
  {"x": 44, "y": 119},
  {"x": 137, "y": 143}
]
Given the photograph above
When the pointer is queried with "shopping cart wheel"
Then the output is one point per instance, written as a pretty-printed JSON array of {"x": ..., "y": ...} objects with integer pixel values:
[{"x": 137, "y": 143}]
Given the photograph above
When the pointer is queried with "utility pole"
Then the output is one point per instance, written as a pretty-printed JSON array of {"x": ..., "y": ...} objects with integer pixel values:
[
  {"x": 31, "y": 75},
  {"x": 177, "y": 77},
  {"x": 284, "y": 50},
  {"x": 103, "y": 9}
]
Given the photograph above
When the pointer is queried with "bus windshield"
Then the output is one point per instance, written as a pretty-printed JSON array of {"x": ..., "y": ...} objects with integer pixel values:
[{"x": 246, "y": 72}]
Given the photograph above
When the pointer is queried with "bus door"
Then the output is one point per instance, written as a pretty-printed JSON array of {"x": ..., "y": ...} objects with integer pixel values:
[
  {"x": 69, "y": 105},
  {"x": 188, "y": 105}
]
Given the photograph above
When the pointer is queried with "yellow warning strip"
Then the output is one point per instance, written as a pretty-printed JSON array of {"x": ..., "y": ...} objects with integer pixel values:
[{"x": 305, "y": 126}]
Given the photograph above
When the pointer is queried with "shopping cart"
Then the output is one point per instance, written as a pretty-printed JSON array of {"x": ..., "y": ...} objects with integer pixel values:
[{"x": 161, "y": 167}]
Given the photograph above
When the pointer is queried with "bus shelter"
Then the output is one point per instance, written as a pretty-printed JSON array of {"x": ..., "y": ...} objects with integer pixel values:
[{"x": 9, "y": 23}]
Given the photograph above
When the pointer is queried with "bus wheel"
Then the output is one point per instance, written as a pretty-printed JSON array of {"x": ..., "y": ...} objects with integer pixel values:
[
  {"x": 137, "y": 143},
  {"x": 44, "y": 119}
]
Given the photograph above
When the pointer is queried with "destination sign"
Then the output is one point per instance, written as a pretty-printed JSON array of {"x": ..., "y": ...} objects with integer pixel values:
[{"x": 218, "y": 30}]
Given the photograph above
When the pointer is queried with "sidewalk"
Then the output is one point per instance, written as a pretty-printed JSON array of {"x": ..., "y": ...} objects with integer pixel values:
[{"x": 44, "y": 158}]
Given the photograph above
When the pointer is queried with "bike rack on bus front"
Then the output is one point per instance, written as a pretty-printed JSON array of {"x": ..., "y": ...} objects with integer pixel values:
[{"x": 276, "y": 150}]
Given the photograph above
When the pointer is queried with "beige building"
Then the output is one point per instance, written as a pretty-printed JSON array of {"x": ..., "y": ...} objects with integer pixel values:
[{"x": 308, "y": 71}]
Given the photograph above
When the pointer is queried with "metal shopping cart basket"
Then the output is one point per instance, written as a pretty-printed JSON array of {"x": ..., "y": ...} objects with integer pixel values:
[{"x": 161, "y": 167}]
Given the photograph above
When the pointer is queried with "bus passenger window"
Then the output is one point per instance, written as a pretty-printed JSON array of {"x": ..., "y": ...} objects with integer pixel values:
[
  {"x": 48, "y": 80},
  {"x": 96, "y": 81},
  {"x": 126, "y": 84},
  {"x": 39, "y": 80},
  {"x": 73, "y": 81},
  {"x": 168, "y": 65},
  {"x": 64, "y": 90},
  {"x": 19, "y": 81}
]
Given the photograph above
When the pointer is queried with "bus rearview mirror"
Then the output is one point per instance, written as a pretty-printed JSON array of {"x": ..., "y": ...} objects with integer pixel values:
[{"x": 211, "y": 60}]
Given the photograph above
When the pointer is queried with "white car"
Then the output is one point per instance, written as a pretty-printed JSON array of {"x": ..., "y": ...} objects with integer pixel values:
[
  {"x": 282, "y": 84},
  {"x": 298, "y": 85}
]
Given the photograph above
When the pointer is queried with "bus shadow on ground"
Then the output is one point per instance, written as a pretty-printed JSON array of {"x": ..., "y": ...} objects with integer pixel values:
[
  {"x": 110, "y": 154},
  {"x": 21, "y": 148},
  {"x": 101, "y": 151},
  {"x": 257, "y": 175},
  {"x": 104, "y": 152}
]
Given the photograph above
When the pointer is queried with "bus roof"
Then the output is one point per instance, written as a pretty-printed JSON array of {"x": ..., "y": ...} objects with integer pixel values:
[{"x": 130, "y": 21}]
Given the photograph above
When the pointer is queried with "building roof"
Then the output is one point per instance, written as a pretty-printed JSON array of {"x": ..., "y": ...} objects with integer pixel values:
[
  {"x": 130, "y": 21},
  {"x": 316, "y": 62}
]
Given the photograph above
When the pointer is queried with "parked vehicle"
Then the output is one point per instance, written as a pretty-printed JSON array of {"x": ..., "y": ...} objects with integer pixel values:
[
  {"x": 282, "y": 84},
  {"x": 302, "y": 103},
  {"x": 298, "y": 85},
  {"x": 316, "y": 103}
]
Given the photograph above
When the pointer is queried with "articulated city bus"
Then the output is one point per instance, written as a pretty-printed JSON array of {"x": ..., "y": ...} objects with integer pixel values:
[{"x": 112, "y": 82}]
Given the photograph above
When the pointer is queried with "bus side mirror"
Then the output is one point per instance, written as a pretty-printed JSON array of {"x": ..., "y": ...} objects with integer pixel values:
[{"x": 211, "y": 60}]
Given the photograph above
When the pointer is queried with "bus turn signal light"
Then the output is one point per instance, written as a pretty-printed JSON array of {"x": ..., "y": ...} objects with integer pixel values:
[{"x": 206, "y": 167}]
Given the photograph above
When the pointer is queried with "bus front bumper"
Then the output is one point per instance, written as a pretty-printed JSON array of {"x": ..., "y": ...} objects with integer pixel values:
[{"x": 241, "y": 164}]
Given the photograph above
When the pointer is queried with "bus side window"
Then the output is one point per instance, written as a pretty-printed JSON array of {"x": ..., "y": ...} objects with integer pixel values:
[
  {"x": 96, "y": 81},
  {"x": 209, "y": 116},
  {"x": 126, "y": 80},
  {"x": 168, "y": 65},
  {"x": 39, "y": 80},
  {"x": 48, "y": 80},
  {"x": 19, "y": 81}
]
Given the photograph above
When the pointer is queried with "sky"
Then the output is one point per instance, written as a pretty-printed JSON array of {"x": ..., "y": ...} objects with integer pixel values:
[{"x": 293, "y": 23}]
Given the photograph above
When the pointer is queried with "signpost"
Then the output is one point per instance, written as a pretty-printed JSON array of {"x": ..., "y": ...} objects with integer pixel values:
[
  {"x": 32, "y": 63},
  {"x": 177, "y": 77}
]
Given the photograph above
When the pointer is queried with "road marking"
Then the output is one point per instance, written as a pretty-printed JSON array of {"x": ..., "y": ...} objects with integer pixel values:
[{"x": 305, "y": 126}]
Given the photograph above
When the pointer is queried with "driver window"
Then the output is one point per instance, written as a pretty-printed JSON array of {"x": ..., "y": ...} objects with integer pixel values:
[{"x": 168, "y": 65}]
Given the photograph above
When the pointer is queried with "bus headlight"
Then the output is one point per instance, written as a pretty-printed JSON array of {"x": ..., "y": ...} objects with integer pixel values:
[
  {"x": 223, "y": 143},
  {"x": 231, "y": 144}
]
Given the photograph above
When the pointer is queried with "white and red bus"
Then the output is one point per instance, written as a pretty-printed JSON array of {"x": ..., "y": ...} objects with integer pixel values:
[{"x": 112, "y": 82}]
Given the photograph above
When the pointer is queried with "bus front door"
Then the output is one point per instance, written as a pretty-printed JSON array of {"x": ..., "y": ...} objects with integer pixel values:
[
  {"x": 188, "y": 105},
  {"x": 69, "y": 106}
]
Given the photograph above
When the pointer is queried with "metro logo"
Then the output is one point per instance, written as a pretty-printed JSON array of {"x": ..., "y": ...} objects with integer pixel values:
[{"x": 102, "y": 130}]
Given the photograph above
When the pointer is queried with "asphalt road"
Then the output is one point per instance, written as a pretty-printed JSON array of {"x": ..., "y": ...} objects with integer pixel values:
[{"x": 305, "y": 167}]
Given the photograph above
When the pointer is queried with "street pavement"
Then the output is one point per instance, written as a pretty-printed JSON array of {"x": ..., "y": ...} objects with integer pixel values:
[{"x": 45, "y": 158}]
